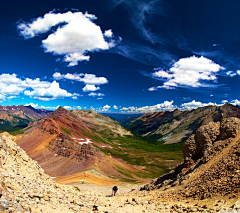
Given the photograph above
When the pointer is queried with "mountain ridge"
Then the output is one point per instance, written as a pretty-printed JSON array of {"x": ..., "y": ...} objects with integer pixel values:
[
  {"x": 12, "y": 117},
  {"x": 175, "y": 126}
]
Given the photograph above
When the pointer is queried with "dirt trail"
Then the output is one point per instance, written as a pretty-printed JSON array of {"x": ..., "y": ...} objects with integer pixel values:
[{"x": 129, "y": 199}]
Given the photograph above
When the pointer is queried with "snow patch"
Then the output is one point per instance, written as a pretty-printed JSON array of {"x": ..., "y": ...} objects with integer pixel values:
[{"x": 86, "y": 142}]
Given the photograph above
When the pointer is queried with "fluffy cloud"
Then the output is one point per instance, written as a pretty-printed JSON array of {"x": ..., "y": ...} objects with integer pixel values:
[
  {"x": 67, "y": 107},
  {"x": 11, "y": 86},
  {"x": 85, "y": 78},
  {"x": 224, "y": 101},
  {"x": 74, "y": 39},
  {"x": 195, "y": 104},
  {"x": 108, "y": 33},
  {"x": 36, "y": 106},
  {"x": 106, "y": 107},
  {"x": 46, "y": 94},
  {"x": 90, "y": 88},
  {"x": 166, "y": 105},
  {"x": 115, "y": 107},
  {"x": 235, "y": 102},
  {"x": 32, "y": 105},
  {"x": 231, "y": 73},
  {"x": 189, "y": 72},
  {"x": 238, "y": 72},
  {"x": 89, "y": 79}
]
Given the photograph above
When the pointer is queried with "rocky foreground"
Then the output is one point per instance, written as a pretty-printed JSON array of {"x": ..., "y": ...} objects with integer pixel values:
[{"x": 207, "y": 181}]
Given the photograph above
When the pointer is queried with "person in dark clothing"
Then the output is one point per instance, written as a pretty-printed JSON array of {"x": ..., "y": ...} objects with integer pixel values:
[{"x": 114, "y": 190}]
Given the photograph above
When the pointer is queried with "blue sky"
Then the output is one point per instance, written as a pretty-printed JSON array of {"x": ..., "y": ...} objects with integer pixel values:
[{"x": 120, "y": 55}]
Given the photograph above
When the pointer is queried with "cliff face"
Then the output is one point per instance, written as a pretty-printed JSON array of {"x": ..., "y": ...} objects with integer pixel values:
[{"x": 211, "y": 164}]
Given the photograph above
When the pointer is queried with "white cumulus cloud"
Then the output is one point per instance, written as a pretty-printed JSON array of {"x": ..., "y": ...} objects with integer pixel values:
[
  {"x": 90, "y": 88},
  {"x": 235, "y": 102},
  {"x": 191, "y": 72},
  {"x": 67, "y": 107},
  {"x": 76, "y": 36},
  {"x": 12, "y": 86},
  {"x": 195, "y": 104},
  {"x": 108, "y": 33},
  {"x": 106, "y": 107},
  {"x": 165, "y": 106},
  {"x": 85, "y": 78},
  {"x": 46, "y": 94},
  {"x": 231, "y": 73},
  {"x": 32, "y": 105}
]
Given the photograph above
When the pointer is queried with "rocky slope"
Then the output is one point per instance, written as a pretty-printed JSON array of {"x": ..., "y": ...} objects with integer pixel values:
[
  {"x": 211, "y": 167},
  {"x": 18, "y": 116},
  {"x": 63, "y": 145},
  {"x": 24, "y": 187},
  {"x": 173, "y": 127}
]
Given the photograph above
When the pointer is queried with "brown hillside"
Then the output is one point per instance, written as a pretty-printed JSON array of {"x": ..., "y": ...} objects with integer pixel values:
[{"x": 61, "y": 144}]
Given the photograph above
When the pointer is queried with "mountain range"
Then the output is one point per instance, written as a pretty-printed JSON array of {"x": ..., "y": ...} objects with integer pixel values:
[
  {"x": 65, "y": 143},
  {"x": 68, "y": 143},
  {"x": 15, "y": 117},
  {"x": 176, "y": 126},
  {"x": 206, "y": 181}
]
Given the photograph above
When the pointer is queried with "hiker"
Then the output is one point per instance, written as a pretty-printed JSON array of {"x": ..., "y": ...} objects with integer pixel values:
[
  {"x": 95, "y": 208},
  {"x": 114, "y": 190}
]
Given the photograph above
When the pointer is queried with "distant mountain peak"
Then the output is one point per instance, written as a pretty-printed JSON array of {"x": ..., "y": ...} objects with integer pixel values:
[{"x": 58, "y": 111}]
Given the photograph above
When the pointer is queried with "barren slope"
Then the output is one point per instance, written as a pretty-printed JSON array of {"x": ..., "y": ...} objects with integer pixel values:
[{"x": 63, "y": 146}]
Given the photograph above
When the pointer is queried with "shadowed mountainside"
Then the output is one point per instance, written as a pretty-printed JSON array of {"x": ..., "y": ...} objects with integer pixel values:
[
  {"x": 13, "y": 117},
  {"x": 175, "y": 126}
]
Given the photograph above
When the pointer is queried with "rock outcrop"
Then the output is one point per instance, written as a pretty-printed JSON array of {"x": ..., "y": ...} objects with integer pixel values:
[{"x": 211, "y": 164}]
